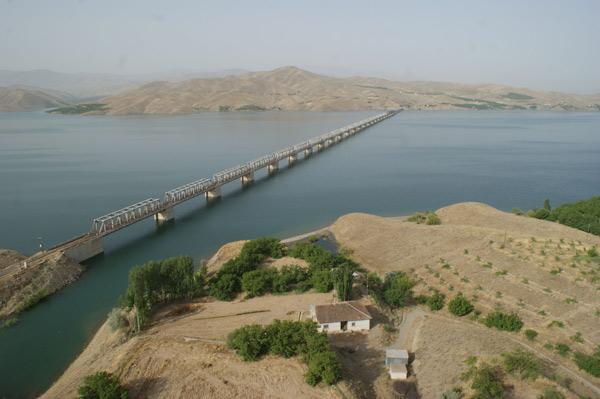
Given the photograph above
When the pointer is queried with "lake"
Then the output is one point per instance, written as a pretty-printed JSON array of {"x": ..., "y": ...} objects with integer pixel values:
[{"x": 59, "y": 172}]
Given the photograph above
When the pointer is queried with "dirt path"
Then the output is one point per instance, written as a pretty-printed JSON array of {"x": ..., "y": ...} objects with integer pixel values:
[{"x": 408, "y": 328}]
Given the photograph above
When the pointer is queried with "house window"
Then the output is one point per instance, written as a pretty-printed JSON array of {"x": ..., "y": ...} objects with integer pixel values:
[
  {"x": 353, "y": 324},
  {"x": 325, "y": 326}
]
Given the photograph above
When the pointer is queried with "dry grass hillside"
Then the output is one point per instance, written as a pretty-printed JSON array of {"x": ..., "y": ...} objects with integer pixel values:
[
  {"x": 291, "y": 88},
  {"x": 14, "y": 99},
  {"x": 535, "y": 268}
]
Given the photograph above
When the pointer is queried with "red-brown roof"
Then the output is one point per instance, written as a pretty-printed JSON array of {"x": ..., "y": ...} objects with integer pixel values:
[{"x": 343, "y": 311}]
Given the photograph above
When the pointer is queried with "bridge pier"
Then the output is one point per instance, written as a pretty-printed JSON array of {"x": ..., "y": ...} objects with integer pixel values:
[
  {"x": 216, "y": 193},
  {"x": 164, "y": 216},
  {"x": 307, "y": 152},
  {"x": 320, "y": 146},
  {"x": 86, "y": 250},
  {"x": 248, "y": 178},
  {"x": 272, "y": 168},
  {"x": 292, "y": 159}
]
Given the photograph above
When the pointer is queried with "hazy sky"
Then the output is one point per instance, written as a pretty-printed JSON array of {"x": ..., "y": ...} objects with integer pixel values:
[{"x": 538, "y": 44}]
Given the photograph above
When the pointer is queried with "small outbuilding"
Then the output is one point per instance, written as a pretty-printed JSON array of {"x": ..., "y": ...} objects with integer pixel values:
[
  {"x": 397, "y": 360},
  {"x": 342, "y": 316},
  {"x": 398, "y": 372}
]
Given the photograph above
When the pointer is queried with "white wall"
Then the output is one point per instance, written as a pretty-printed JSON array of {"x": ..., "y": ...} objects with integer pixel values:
[
  {"x": 359, "y": 325},
  {"x": 330, "y": 327}
]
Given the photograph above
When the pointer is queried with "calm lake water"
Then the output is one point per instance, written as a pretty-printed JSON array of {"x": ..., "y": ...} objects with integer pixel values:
[{"x": 58, "y": 172}]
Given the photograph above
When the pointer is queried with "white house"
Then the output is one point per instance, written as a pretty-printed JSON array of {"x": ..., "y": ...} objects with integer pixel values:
[
  {"x": 398, "y": 372},
  {"x": 342, "y": 316}
]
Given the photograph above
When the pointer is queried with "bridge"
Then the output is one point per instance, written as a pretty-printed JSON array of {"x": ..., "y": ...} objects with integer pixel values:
[{"x": 89, "y": 244}]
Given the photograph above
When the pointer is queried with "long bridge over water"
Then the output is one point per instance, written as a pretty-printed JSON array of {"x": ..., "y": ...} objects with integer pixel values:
[{"x": 89, "y": 244}]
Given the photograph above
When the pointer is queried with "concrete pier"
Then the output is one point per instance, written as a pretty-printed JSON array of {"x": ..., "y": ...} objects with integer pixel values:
[
  {"x": 248, "y": 178},
  {"x": 216, "y": 193},
  {"x": 164, "y": 216},
  {"x": 292, "y": 159},
  {"x": 307, "y": 152},
  {"x": 274, "y": 167}
]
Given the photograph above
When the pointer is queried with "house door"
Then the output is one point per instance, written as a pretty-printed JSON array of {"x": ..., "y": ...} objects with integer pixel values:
[{"x": 344, "y": 325}]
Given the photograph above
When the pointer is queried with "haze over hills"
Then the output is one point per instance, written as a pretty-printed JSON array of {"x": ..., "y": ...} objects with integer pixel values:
[
  {"x": 291, "y": 88},
  {"x": 20, "y": 99}
]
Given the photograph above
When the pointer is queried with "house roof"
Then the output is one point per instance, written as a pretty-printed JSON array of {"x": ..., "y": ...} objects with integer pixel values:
[
  {"x": 343, "y": 311},
  {"x": 396, "y": 353}
]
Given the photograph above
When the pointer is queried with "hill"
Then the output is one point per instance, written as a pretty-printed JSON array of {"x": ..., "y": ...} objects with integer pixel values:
[
  {"x": 19, "y": 99},
  {"x": 291, "y": 88},
  {"x": 535, "y": 268}
]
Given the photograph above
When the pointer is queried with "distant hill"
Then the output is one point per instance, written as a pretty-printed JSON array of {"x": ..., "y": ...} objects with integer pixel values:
[
  {"x": 291, "y": 88},
  {"x": 18, "y": 99}
]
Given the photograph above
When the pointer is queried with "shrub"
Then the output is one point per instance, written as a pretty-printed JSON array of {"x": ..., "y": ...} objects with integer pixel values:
[
  {"x": 539, "y": 213},
  {"x": 258, "y": 282},
  {"x": 531, "y": 334},
  {"x": 454, "y": 393},
  {"x": 250, "y": 342},
  {"x": 397, "y": 289},
  {"x": 225, "y": 287},
  {"x": 436, "y": 301},
  {"x": 288, "y": 278},
  {"x": 322, "y": 280},
  {"x": 117, "y": 319},
  {"x": 592, "y": 252},
  {"x": 287, "y": 339},
  {"x": 522, "y": 363},
  {"x": 583, "y": 215},
  {"x": 517, "y": 211},
  {"x": 588, "y": 363},
  {"x": 460, "y": 306},
  {"x": 264, "y": 247},
  {"x": 323, "y": 367},
  {"x": 562, "y": 349},
  {"x": 317, "y": 257},
  {"x": 487, "y": 383},
  {"x": 503, "y": 321},
  {"x": 428, "y": 217},
  {"x": 551, "y": 393},
  {"x": 102, "y": 385}
]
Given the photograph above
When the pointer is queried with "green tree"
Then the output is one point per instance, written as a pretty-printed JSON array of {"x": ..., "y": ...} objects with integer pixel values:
[
  {"x": 547, "y": 205},
  {"x": 258, "y": 282},
  {"x": 551, "y": 393},
  {"x": 522, "y": 363},
  {"x": 102, "y": 385},
  {"x": 323, "y": 367},
  {"x": 342, "y": 281},
  {"x": 488, "y": 383},
  {"x": 588, "y": 363},
  {"x": 225, "y": 287},
  {"x": 250, "y": 342},
  {"x": 288, "y": 278},
  {"x": 397, "y": 289},
  {"x": 531, "y": 334},
  {"x": 460, "y": 305},
  {"x": 322, "y": 280}
]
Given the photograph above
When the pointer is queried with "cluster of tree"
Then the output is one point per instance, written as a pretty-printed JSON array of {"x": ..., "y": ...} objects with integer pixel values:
[
  {"x": 503, "y": 321},
  {"x": 522, "y": 364},
  {"x": 157, "y": 282},
  {"x": 227, "y": 282},
  {"x": 583, "y": 215},
  {"x": 394, "y": 291},
  {"x": 435, "y": 301},
  {"x": 261, "y": 281},
  {"x": 102, "y": 385},
  {"x": 287, "y": 339},
  {"x": 427, "y": 217},
  {"x": 589, "y": 363},
  {"x": 325, "y": 272}
]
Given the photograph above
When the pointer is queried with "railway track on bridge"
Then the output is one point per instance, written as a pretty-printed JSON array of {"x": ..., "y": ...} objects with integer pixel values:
[{"x": 89, "y": 244}]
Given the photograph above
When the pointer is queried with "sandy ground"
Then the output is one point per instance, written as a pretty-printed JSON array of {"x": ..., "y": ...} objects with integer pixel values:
[{"x": 185, "y": 357}]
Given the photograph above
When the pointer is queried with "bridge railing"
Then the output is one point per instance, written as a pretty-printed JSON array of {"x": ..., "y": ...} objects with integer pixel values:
[{"x": 125, "y": 216}]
